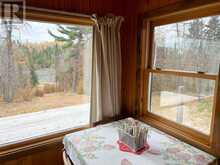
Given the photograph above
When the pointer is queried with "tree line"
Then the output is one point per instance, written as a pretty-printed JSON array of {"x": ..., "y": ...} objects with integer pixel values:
[
  {"x": 194, "y": 47},
  {"x": 19, "y": 61}
]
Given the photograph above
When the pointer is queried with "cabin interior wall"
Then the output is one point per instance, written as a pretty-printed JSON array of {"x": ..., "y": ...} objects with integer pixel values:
[{"x": 130, "y": 10}]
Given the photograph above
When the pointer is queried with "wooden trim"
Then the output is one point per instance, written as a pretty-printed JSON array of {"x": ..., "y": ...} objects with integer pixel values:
[
  {"x": 216, "y": 119},
  {"x": 167, "y": 126},
  {"x": 203, "y": 138},
  {"x": 108, "y": 120},
  {"x": 183, "y": 10},
  {"x": 174, "y": 13},
  {"x": 57, "y": 17},
  {"x": 57, "y": 145},
  {"x": 54, "y": 17},
  {"x": 144, "y": 59},
  {"x": 183, "y": 74},
  {"x": 36, "y": 142}
]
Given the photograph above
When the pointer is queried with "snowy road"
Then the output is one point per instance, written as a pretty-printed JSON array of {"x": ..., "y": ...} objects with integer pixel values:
[{"x": 32, "y": 125}]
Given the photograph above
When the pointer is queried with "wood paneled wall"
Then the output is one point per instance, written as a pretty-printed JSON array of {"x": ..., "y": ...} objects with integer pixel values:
[
  {"x": 52, "y": 154},
  {"x": 130, "y": 50},
  {"x": 82, "y": 6},
  {"x": 45, "y": 155},
  {"x": 131, "y": 10}
]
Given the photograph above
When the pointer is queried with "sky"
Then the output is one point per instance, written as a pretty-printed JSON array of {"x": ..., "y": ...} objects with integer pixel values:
[{"x": 32, "y": 32}]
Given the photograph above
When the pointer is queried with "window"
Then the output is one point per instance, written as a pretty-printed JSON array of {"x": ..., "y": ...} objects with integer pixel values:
[
  {"x": 185, "y": 100},
  {"x": 188, "y": 46},
  {"x": 181, "y": 83},
  {"x": 45, "y": 78},
  {"x": 179, "y": 74}
]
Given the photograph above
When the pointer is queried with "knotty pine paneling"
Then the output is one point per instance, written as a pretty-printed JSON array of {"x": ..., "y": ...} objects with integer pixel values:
[
  {"x": 131, "y": 10},
  {"x": 132, "y": 25},
  {"x": 81, "y": 6},
  {"x": 50, "y": 154}
]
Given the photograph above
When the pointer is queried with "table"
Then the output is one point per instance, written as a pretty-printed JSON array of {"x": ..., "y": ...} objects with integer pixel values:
[{"x": 98, "y": 146}]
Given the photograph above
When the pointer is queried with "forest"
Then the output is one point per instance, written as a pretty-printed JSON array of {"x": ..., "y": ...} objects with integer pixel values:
[
  {"x": 189, "y": 46},
  {"x": 34, "y": 69},
  {"x": 186, "y": 46}
]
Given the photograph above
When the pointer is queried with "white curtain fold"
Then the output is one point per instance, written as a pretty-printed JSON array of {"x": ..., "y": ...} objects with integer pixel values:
[{"x": 106, "y": 71}]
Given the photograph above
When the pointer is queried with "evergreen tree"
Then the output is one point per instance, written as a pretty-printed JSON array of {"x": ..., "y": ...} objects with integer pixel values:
[
  {"x": 30, "y": 53},
  {"x": 197, "y": 34},
  {"x": 74, "y": 38},
  {"x": 196, "y": 29},
  {"x": 213, "y": 29}
]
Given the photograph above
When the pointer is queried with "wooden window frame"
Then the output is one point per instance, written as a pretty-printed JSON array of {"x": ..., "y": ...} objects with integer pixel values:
[
  {"x": 52, "y": 16},
  {"x": 174, "y": 13}
]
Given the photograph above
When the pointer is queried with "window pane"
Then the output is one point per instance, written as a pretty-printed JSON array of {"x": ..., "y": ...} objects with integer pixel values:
[
  {"x": 189, "y": 46},
  {"x": 45, "y": 78},
  {"x": 187, "y": 101}
]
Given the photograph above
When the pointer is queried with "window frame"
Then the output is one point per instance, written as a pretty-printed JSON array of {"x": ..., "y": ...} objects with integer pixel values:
[
  {"x": 171, "y": 14},
  {"x": 52, "y": 16}
]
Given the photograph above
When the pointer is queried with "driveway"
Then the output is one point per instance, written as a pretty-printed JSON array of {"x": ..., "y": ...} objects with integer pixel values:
[{"x": 26, "y": 126}]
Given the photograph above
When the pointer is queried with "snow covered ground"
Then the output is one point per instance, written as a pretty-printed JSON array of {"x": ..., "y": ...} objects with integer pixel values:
[{"x": 32, "y": 125}]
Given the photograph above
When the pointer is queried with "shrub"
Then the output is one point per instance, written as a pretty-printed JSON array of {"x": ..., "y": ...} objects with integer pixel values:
[
  {"x": 27, "y": 93},
  {"x": 204, "y": 105},
  {"x": 34, "y": 78},
  {"x": 79, "y": 89},
  {"x": 59, "y": 88},
  {"x": 39, "y": 92},
  {"x": 49, "y": 88}
]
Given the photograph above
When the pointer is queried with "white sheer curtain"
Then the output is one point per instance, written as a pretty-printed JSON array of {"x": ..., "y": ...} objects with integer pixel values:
[{"x": 106, "y": 72}]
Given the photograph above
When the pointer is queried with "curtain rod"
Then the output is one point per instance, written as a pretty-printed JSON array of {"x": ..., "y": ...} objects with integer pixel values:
[{"x": 57, "y": 12}]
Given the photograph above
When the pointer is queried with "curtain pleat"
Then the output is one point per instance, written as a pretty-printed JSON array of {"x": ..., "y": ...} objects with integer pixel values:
[{"x": 106, "y": 72}]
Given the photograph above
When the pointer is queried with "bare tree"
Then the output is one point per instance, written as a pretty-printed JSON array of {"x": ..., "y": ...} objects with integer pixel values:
[{"x": 7, "y": 64}]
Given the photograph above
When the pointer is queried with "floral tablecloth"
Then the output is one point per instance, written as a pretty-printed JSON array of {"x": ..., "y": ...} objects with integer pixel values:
[{"x": 98, "y": 146}]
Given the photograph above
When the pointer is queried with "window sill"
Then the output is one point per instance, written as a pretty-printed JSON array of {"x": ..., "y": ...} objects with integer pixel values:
[
  {"x": 191, "y": 138},
  {"x": 37, "y": 142},
  {"x": 31, "y": 130}
]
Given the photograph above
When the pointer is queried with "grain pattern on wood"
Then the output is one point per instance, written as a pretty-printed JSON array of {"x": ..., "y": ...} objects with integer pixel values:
[
  {"x": 47, "y": 155},
  {"x": 216, "y": 119},
  {"x": 131, "y": 48},
  {"x": 52, "y": 155},
  {"x": 208, "y": 143},
  {"x": 131, "y": 10}
]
